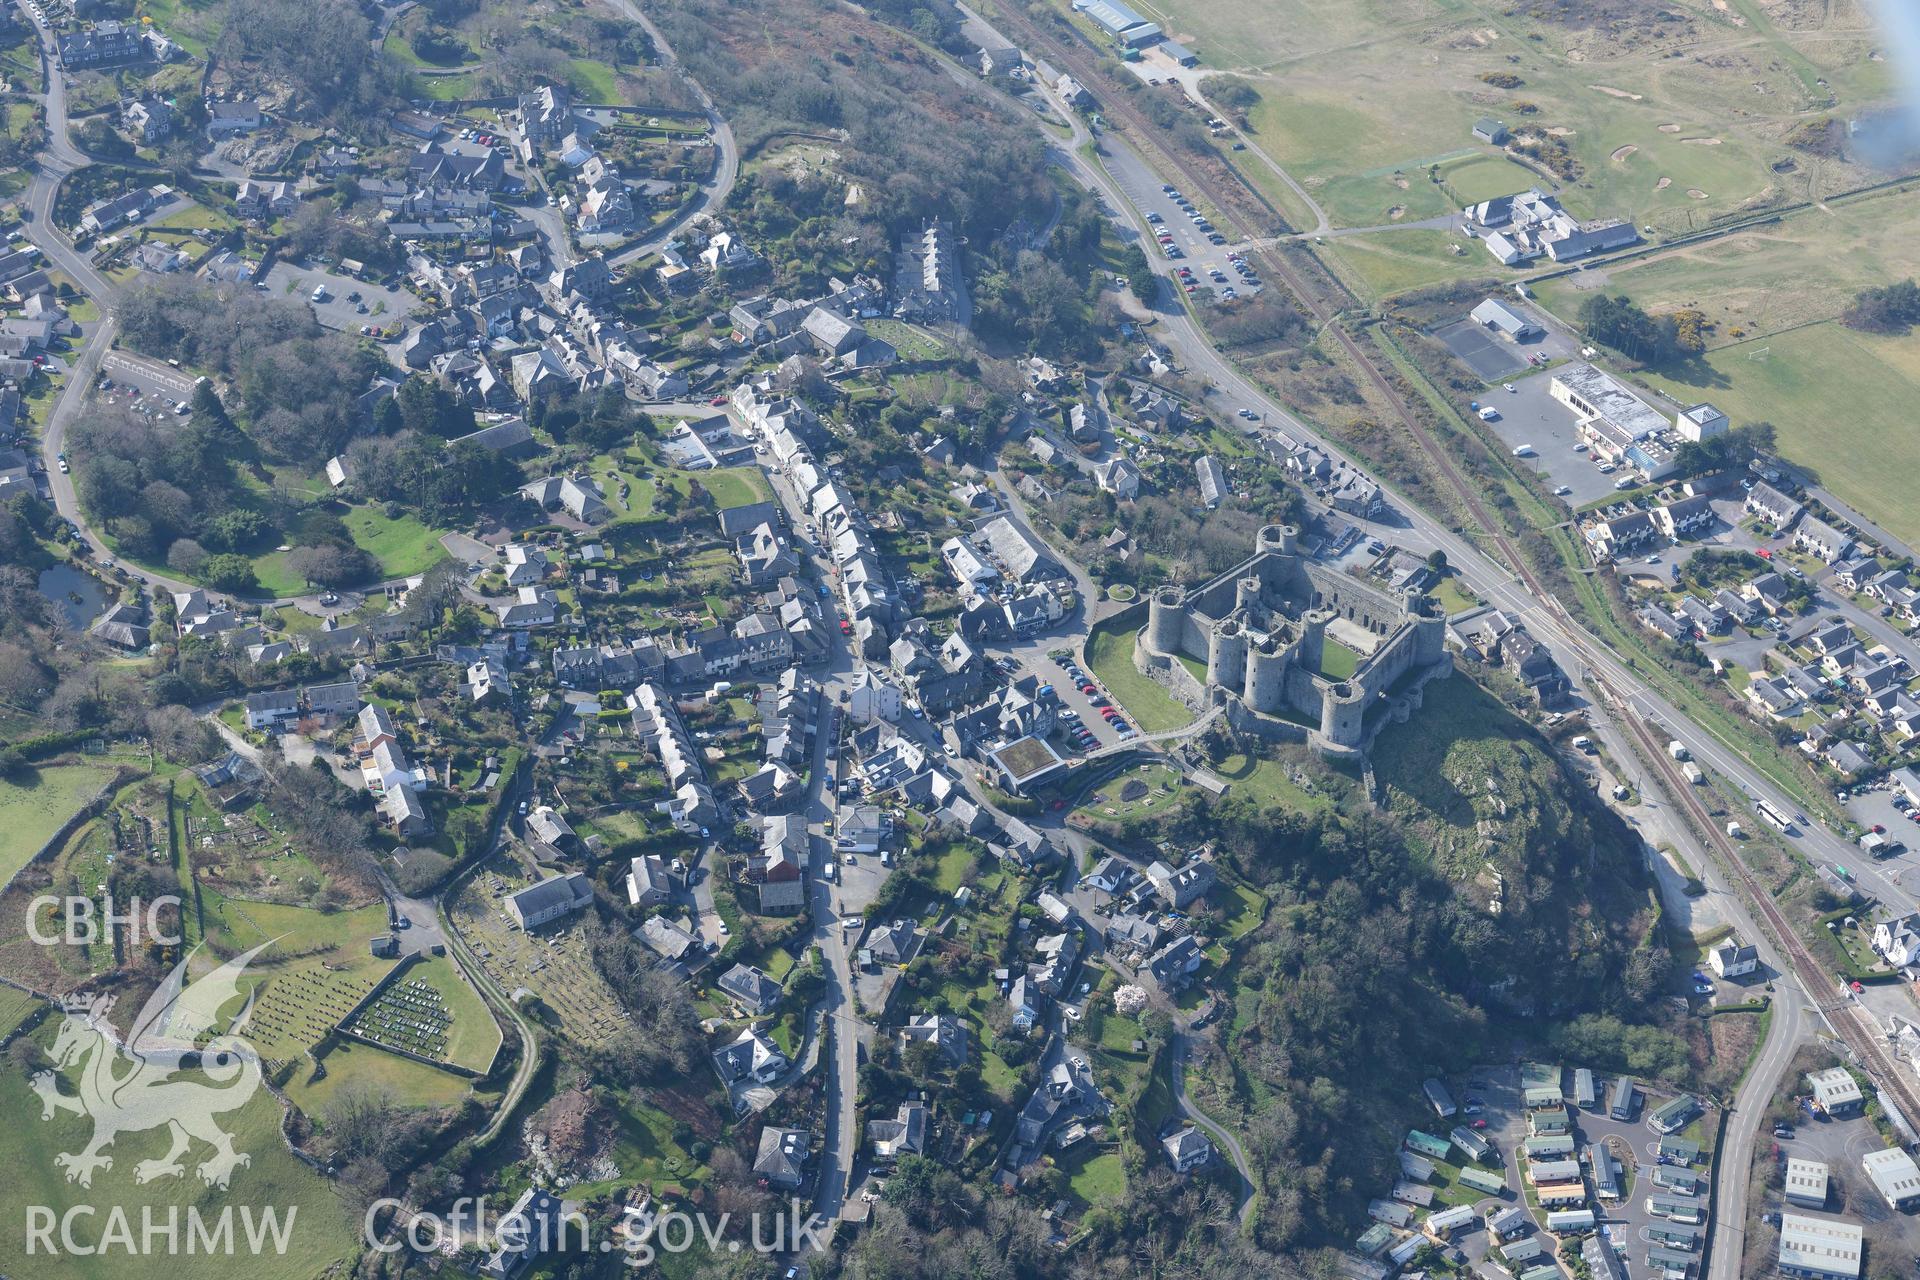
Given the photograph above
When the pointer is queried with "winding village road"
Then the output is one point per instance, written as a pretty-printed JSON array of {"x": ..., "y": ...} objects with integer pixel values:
[{"x": 1588, "y": 660}]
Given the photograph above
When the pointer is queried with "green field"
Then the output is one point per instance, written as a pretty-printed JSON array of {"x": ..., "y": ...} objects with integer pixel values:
[
  {"x": 360, "y": 1066},
  {"x": 321, "y": 1235},
  {"x": 1110, "y": 657},
  {"x": 1360, "y": 97},
  {"x": 1843, "y": 403},
  {"x": 1776, "y": 276},
  {"x": 31, "y": 813}
]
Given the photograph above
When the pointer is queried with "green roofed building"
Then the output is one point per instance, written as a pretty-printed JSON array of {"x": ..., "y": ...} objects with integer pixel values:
[
  {"x": 1671, "y": 1117},
  {"x": 1550, "y": 1120},
  {"x": 1374, "y": 1240},
  {"x": 1427, "y": 1145},
  {"x": 1669, "y": 1259},
  {"x": 1545, "y": 1271},
  {"x": 1685, "y": 1150},
  {"x": 1481, "y": 1180}
]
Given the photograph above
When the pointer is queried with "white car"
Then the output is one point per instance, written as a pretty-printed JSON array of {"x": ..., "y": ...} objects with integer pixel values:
[
  {"x": 1523, "y": 451},
  {"x": 1511, "y": 387},
  {"x": 1562, "y": 491}
]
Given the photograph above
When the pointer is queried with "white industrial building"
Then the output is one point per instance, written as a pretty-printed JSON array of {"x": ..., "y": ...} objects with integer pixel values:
[{"x": 1819, "y": 1248}]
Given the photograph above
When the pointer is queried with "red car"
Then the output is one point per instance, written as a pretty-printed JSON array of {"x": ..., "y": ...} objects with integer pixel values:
[
  {"x": 1879, "y": 830},
  {"x": 1764, "y": 553},
  {"x": 716, "y": 402}
]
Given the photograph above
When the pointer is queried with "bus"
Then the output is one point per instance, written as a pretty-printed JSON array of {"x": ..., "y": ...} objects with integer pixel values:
[{"x": 1774, "y": 818}]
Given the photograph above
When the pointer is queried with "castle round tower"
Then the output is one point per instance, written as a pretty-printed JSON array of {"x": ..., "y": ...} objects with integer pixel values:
[
  {"x": 1227, "y": 655},
  {"x": 1166, "y": 620}
]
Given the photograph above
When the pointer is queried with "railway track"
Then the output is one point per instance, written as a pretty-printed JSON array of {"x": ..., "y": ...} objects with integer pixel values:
[{"x": 1856, "y": 1027}]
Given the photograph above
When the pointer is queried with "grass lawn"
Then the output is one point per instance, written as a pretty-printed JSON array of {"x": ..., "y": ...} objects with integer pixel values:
[
  {"x": 31, "y": 813},
  {"x": 349, "y": 1065},
  {"x": 1453, "y": 597},
  {"x": 1267, "y": 781},
  {"x": 402, "y": 548},
  {"x": 1841, "y": 401},
  {"x": 736, "y": 486},
  {"x": 911, "y": 341},
  {"x": 1337, "y": 662},
  {"x": 1095, "y": 1176},
  {"x": 597, "y": 81},
  {"x": 321, "y": 1238},
  {"x": 953, "y": 870},
  {"x": 1110, "y": 656}
]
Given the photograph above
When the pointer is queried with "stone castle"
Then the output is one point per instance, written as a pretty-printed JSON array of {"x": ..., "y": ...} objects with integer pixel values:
[{"x": 1263, "y": 629}]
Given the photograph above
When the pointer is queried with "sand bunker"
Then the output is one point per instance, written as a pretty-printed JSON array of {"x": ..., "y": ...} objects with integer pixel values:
[
  {"x": 1702, "y": 142},
  {"x": 1620, "y": 154},
  {"x": 1396, "y": 213},
  {"x": 1696, "y": 193},
  {"x": 1400, "y": 182},
  {"x": 1669, "y": 128},
  {"x": 1559, "y": 131},
  {"x": 1612, "y": 92},
  {"x": 1663, "y": 184}
]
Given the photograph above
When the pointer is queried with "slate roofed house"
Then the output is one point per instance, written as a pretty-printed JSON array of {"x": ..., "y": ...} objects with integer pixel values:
[
  {"x": 1734, "y": 958},
  {"x": 550, "y": 828},
  {"x": 1684, "y": 517},
  {"x": 946, "y": 1033},
  {"x": 749, "y": 1056},
  {"x": 1118, "y": 477},
  {"x": 832, "y": 334},
  {"x": 751, "y": 989},
  {"x": 1898, "y": 940},
  {"x": 1621, "y": 535},
  {"x": 648, "y": 881},
  {"x": 904, "y": 1135},
  {"x": 1187, "y": 1149},
  {"x": 1773, "y": 506},
  {"x": 1818, "y": 538},
  {"x": 782, "y": 1157}
]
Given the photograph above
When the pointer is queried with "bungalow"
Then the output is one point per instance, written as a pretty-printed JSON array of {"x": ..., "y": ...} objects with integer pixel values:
[
  {"x": 1769, "y": 591},
  {"x": 1673, "y": 1116},
  {"x": 648, "y": 882},
  {"x": 947, "y": 1034},
  {"x": 1772, "y": 700}
]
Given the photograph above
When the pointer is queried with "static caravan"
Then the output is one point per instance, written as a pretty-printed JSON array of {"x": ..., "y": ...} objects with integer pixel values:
[
  {"x": 1403, "y": 1252},
  {"x": 1480, "y": 1180},
  {"x": 1685, "y": 1181},
  {"x": 1568, "y": 1221},
  {"x": 1444, "y": 1222},
  {"x": 1679, "y": 1150},
  {"x": 1548, "y": 1146},
  {"x": 1561, "y": 1195},
  {"x": 1684, "y": 1211},
  {"x": 1583, "y": 1095},
  {"x": 1677, "y": 1237},
  {"x": 1671, "y": 1261},
  {"x": 1438, "y": 1098},
  {"x": 1520, "y": 1252},
  {"x": 1469, "y": 1141},
  {"x": 1671, "y": 1117},
  {"x": 1427, "y": 1145},
  {"x": 1543, "y": 1171},
  {"x": 1622, "y": 1098}
]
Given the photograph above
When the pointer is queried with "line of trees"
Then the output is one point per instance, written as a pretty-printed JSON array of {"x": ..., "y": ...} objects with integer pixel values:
[{"x": 1619, "y": 324}]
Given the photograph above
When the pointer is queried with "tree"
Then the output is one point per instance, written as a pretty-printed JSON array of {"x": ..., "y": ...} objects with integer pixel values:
[
  {"x": 331, "y": 564},
  {"x": 228, "y": 572},
  {"x": 1892, "y": 308},
  {"x": 187, "y": 557},
  {"x": 1139, "y": 273}
]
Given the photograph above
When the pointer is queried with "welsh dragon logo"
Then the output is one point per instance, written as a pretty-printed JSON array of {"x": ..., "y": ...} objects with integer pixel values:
[{"x": 143, "y": 1082}]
